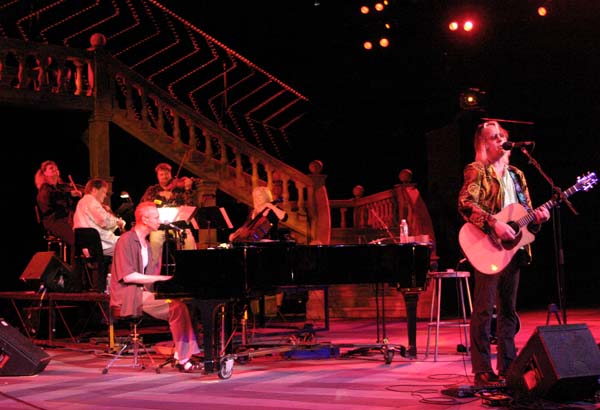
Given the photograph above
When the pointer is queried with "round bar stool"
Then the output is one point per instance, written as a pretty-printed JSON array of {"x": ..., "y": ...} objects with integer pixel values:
[{"x": 436, "y": 301}]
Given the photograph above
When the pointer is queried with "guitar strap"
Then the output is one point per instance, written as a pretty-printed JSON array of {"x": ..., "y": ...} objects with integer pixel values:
[
  {"x": 520, "y": 194},
  {"x": 524, "y": 254}
]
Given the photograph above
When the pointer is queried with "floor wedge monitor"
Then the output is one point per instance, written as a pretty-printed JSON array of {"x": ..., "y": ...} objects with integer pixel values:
[
  {"x": 18, "y": 355},
  {"x": 559, "y": 363}
]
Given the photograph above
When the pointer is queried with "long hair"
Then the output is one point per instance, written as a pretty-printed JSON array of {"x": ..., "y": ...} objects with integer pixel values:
[
  {"x": 261, "y": 195},
  {"x": 39, "y": 178},
  {"x": 479, "y": 141}
]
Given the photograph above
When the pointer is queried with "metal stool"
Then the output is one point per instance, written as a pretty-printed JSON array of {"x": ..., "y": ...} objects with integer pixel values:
[
  {"x": 436, "y": 301},
  {"x": 133, "y": 342}
]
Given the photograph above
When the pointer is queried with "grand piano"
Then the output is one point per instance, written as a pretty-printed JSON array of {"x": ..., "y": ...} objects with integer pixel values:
[{"x": 212, "y": 277}]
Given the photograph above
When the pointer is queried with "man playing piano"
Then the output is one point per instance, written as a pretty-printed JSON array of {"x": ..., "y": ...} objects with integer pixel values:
[{"x": 133, "y": 275}]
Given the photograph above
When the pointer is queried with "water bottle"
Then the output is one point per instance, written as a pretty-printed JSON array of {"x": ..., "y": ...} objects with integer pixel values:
[
  {"x": 403, "y": 231},
  {"x": 107, "y": 290}
]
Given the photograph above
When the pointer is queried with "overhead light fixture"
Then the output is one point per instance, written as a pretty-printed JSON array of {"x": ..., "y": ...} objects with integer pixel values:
[{"x": 472, "y": 99}]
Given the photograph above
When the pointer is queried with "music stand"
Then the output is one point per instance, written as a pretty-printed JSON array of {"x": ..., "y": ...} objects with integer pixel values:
[
  {"x": 167, "y": 216},
  {"x": 212, "y": 217}
]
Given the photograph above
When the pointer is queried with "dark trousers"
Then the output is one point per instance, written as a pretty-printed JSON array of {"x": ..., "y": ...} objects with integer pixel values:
[{"x": 498, "y": 290}]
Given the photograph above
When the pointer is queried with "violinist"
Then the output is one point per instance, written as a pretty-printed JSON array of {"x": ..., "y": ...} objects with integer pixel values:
[
  {"x": 263, "y": 220},
  {"x": 92, "y": 212},
  {"x": 170, "y": 192},
  {"x": 56, "y": 201}
]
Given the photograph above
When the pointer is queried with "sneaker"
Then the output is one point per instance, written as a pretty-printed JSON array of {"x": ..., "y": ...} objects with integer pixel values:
[{"x": 191, "y": 366}]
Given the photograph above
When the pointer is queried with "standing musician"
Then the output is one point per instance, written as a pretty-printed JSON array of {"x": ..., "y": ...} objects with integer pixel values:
[
  {"x": 263, "y": 219},
  {"x": 92, "y": 212},
  {"x": 489, "y": 185},
  {"x": 170, "y": 192},
  {"x": 56, "y": 201}
]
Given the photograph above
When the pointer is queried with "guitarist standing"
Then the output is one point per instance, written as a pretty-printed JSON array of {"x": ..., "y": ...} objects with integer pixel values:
[{"x": 489, "y": 185}]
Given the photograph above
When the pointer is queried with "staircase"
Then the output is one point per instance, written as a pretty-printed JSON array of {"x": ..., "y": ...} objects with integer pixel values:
[
  {"x": 112, "y": 92},
  {"x": 222, "y": 117}
]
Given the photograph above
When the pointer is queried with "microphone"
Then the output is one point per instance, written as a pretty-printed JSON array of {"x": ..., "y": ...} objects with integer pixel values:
[
  {"x": 178, "y": 229},
  {"x": 507, "y": 146}
]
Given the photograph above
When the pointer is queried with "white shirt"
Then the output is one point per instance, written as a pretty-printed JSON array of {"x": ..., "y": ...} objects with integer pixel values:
[{"x": 91, "y": 214}]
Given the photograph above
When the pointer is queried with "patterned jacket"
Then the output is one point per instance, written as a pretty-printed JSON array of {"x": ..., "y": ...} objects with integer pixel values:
[{"x": 481, "y": 196}]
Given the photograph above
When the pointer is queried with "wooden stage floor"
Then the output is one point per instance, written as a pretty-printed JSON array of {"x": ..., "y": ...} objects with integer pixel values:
[{"x": 73, "y": 377}]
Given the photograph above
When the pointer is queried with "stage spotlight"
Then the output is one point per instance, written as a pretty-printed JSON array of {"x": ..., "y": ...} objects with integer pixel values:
[
  {"x": 384, "y": 42},
  {"x": 367, "y": 45},
  {"x": 472, "y": 99}
]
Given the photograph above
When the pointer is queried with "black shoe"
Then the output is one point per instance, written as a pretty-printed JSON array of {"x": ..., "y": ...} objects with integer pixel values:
[
  {"x": 487, "y": 379},
  {"x": 191, "y": 366}
]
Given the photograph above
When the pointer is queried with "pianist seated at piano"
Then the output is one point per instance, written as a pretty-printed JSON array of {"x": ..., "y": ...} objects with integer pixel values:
[
  {"x": 263, "y": 220},
  {"x": 133, "y": 275}
]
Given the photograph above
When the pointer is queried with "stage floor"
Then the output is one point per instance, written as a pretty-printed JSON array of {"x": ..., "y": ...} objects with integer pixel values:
[{"x": 73, "y": 377}]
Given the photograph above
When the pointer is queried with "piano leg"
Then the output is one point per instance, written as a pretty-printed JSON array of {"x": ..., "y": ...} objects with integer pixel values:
[
  {"x": 217, "y": 327},
  {"x": 411, "y": 299}
]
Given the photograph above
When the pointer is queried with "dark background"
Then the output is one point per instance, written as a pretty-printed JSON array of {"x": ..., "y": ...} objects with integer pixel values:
[{"x": 373, "y": 114}]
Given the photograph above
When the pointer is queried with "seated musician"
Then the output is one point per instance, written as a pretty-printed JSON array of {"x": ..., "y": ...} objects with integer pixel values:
[
  {"x": 170, "y": 192},
  {"x": 134, "y": 272},
  {"x": 56, "y": 201},
  {"x": 91, "y": 212},
  {"x": 263, "y": 220}
]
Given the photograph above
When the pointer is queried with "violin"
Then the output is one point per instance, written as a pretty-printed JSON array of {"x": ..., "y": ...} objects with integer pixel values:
[
  {"x": 178, "y": 182},
  {"x": 76, "y": 191},
  {"x": 181, "y": 183}
]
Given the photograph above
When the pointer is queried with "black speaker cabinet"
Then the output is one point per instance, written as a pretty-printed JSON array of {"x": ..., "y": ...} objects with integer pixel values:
[
  {"x": 18, "y": 355},
  {"x": 47, "y": 269},
  {"x": 559, "y": 363}
]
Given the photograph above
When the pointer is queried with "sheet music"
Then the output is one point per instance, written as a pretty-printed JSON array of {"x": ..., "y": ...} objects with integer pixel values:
[
  {"x": 185, "y": 213},
  {"x": 170, "y": 214},
  {"x": 167, "y": 214}
]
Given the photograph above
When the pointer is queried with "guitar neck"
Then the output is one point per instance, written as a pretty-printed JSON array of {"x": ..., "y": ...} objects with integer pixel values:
[{"x": 551, "y": 203}]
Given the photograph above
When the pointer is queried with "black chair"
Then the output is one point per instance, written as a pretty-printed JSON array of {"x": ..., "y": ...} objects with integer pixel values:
[
  {"x": 53, "y": 242},
  {"x": 90, "y": 259}
]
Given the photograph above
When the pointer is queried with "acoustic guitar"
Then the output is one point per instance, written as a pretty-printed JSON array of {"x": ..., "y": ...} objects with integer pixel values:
[{"x": 487, "y": 253}]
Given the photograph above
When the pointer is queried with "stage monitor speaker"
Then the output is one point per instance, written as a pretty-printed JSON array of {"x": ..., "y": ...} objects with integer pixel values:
[
  {"x": 559, "y": 363},
  {"x": 45, "y": 268},
  {"x": 18, "y": 355}
]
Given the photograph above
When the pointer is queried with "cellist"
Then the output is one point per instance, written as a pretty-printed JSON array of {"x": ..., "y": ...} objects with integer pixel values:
[{"x": 263, "y": 220}]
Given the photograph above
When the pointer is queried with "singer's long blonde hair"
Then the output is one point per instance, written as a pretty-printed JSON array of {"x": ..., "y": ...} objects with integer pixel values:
[{"x": 479, "y": 142}]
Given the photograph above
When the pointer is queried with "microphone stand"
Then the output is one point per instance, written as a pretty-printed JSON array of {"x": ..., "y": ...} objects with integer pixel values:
[
  {"x": 382, "y": 222},
  {"x": 558, "y": 246}
]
